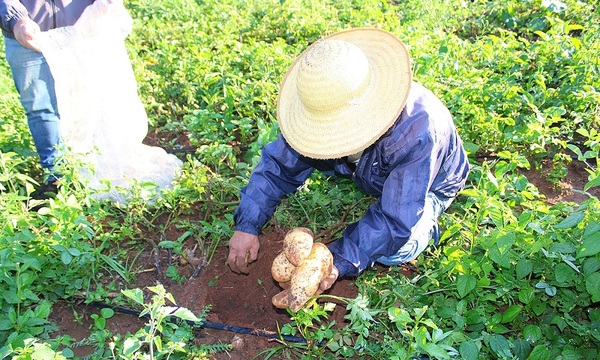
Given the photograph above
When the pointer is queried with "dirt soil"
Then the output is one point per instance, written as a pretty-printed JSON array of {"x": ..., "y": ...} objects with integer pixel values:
[
  {"x": 240, "y": 303},
  {"x": 244, "y": 301}
]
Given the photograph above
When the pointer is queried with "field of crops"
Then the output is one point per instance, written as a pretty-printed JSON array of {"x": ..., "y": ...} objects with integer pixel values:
[{"x": 515, "y": 276}]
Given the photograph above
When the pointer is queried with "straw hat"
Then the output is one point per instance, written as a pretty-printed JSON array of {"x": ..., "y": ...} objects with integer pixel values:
[{"x": 343, "y": 92}]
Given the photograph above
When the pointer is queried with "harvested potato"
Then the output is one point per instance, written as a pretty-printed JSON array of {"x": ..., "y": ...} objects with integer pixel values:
[
  {"x": 297, "y": 244},
  {"x": 282, "y": 268},
  {"x": 281, "y": 299},
  {"x": 304, "y": 278}
]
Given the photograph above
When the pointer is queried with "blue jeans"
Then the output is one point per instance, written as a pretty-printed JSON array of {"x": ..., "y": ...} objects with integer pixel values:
[
  {"x": 426, "y": 229},
  {"x": 35, "y": 85}
]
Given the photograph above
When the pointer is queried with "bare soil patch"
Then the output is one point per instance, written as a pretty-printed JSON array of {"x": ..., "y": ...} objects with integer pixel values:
[
  {"x": 239, "y": 303},
  {"x": 569, "y": 189}
]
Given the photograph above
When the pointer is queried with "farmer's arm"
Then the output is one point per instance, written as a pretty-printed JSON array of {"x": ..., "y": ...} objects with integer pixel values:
[
  {"x": 280, "y": 171},
  {"x": 11, "y": 11},
  {"x": 17, "y": 23},
  {"x": 387, "y": 224}
]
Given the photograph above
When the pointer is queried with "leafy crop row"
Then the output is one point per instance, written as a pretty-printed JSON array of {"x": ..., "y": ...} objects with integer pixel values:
[{"x": 513, "y": 278}]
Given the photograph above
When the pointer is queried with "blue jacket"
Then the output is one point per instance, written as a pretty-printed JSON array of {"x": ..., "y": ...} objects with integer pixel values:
[
  {"x": 421, "y": 152},
  {"x": 48, "y": 14}
]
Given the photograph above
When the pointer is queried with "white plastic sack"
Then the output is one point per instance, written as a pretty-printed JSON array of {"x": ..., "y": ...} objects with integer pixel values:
[{"x": 101, "y": 113}]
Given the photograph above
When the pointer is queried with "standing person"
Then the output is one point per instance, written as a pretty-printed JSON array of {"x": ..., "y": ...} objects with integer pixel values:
[
  {"x": 348, "y": 105},
  {"x": 22, "y": 22}
]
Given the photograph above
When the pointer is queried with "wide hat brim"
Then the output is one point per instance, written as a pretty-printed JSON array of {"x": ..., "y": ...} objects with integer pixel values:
[{"x": 354, "y": 127}]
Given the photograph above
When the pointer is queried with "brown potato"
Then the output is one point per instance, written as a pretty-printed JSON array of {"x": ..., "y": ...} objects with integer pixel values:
[
  {"x": 282, "y": 269},
  {"x": 299, "y": 269},
  {"x": 297, "y": 245},
  {"x": 281, "y": 299},
  {"x": 305, "y": 280}
]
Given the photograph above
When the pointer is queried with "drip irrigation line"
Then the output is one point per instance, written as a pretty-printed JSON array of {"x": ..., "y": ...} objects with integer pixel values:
[
  {"x": 181, "y": 150},
  {"x": 219, "y": 326},
  {"x": 206, "y": 324}
]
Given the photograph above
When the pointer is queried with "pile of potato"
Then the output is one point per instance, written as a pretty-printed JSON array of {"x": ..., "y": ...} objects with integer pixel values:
[{"x": 299, "y": 269}]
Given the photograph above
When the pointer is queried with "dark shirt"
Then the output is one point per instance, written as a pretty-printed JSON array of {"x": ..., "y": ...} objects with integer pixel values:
[
  {"x": 422, "y": 152},
  {"x": 47, "y": 14}
]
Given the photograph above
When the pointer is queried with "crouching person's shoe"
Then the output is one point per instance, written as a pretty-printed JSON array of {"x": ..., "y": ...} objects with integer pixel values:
[{"x": 46, "y": 191}]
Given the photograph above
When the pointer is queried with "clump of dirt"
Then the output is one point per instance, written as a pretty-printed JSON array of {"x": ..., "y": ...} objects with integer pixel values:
[{"x": 569, "y": 189}]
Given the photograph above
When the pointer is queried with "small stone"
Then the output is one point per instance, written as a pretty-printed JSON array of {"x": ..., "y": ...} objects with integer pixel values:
[{"x": 237, "y": 343}]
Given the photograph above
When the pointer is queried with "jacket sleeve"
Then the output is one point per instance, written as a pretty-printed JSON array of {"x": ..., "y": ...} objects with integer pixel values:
[
  {"x": 280, "y": 171},
  {"x": 11, "y": 11},
  {"x": 388, "y": 223}
]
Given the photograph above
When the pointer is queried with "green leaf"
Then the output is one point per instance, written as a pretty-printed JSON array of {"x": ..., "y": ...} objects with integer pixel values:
[
  {"x": 532, "y": 333},
  {"x": 590, "y": 246},
  {"x": 521, "y": 348},
  {"x": 465, "y": 284},
  {"x": 500, "y": 346},
  {"x": 550, "y": 290},
  {"x": 570, "y": 221},
  {"x": 511, "y": 313},
  {"x": 591, "y": 228},
  {"x": 167, "y": 244},
  {"x": 10, "y": 296},
  {"x": 43, "y": 352},
  {"x": 66, "y": 258},
  {"x": 73, "y": 251},
  {"x": 495, "y": 212},
  {"x": 68, "y": 353},
  {"x": 399, "y": 316},
  {"x": 43, "y": 310},
  {"x": 498, "y": 328},
  {"x": 592, "y": 285},
  {"x": 6, "y": 324},
  {"x": 28, "y": 294},
  {"x": 185, "y": 314},
  {"x": 468, "y": 350},
  {"x": 429, "y": 323},
  {"x": 592, "y": 183},
  {"x": 107, "y": 313},
  {"x": 130, "y": 346},
  {"x": 100, "y": 322},
  {"x": 171, "y": 298},
  {"x": 524, "y": 268},
  {"x": 471, "y": 147},
  {"x": 526, "y": 295},
  {"x": 591, "y": 265},
  {"x": 539, "y": 352},
  {"x": 135, "y": 294},
  {"x": 436, "y": 351},
  {"x": 115, "y": 266},
  {"x": 158, "y": 343},
  {"x": 564, "y": 274},
  {"x": 497, "y": 256},
  {"x": 538, "y": 307},
  {"x": 563, "y": 248}
]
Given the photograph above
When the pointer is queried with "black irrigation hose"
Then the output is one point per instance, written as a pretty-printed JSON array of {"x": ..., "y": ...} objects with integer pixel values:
[
  {"x": 208, "y": 324},
  {"x": 181, "y": 151},
  {"x": 218, "y": 326}
]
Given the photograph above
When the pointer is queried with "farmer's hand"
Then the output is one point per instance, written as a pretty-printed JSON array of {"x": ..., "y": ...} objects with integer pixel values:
[
  {"x": 26, "y": 32},
  {"x": 328, "y": 281},
  {"x": 243, "y": 249}
]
